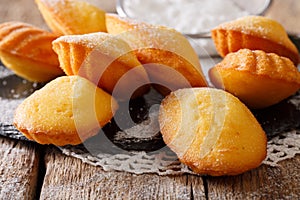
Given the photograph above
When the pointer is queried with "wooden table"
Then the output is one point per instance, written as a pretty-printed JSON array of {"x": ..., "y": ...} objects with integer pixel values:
[{"x": 32, "y": 171}]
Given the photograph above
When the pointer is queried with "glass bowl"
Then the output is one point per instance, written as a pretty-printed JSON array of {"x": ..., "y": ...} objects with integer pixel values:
[{"x": 193, "y": 18}]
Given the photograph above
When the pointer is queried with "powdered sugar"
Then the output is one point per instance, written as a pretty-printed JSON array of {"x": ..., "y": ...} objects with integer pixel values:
[
  {"x": 147, "y": 129},
  {"x": 7, "y": 108},
  {"x": 4, "y": 72},
  {"x": 13, "y": 90},
  {"x": 296, "y": 101},
  {"x": 189, "y": 16},
  {"x": 105, "y": 43}
]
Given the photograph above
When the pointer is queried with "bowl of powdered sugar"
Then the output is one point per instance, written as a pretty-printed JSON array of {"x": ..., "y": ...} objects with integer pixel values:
[{"x": 194, "y": 18}]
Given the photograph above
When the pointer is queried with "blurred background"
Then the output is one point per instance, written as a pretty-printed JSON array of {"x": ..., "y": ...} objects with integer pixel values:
[
  {"x": 287, "y": 12},
  {"x": 27, "y": 11}
]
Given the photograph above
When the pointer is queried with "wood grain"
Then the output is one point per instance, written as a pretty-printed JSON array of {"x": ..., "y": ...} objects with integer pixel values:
[
  {"x": 69, "y": 178},
  {"x": 282, "y": 182},
  {"x": 19, "y": 167}
]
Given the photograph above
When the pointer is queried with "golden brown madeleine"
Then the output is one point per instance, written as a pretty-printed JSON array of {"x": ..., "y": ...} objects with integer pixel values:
[
  {"x": 68, "y": 110},
  {"x": 255, "y": 33},
  {"x": 212, "y": 132},
  {"x": 27, "y": 50},
  {"x": 257, "y": 78},
  {"x": 105, "y": 60},
  {"x": 67, "y": 17},
  {"x": 166, "y": 54}
]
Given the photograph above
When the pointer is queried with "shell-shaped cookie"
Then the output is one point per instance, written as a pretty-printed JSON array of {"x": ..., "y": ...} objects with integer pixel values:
[
  {"x": 257, "y": 78},
  {"x": 211, "y": 131},
  {"x": 27, "y": 50},
  {"x": 166, "y": 54},
  {"x": 67, "y": 110},
  {"x": 66, "y": 17},
  {"x": 255, "y": 33},
  {"x": 104, "y": 59}
]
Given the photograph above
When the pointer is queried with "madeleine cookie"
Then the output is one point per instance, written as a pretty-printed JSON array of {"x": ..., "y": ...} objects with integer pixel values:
[
  {"x": 67, "y": 17},
  {"x": 255, "y": 33},
  {"x": 28, "y": 52},
  {"x": 68, "y": 110},
  {"x": 103, "y": 59},
  {"x": 166, "y": 54},
  {"x": 212, "y": 132},
  {"x": 257, "y": 78}
]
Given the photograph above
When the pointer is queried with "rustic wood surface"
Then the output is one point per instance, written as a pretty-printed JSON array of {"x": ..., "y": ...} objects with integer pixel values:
[
  {"x": 19, "y": 169},
  {"x": 76, "y": 179},
  {"x": 32, "y": 171}
]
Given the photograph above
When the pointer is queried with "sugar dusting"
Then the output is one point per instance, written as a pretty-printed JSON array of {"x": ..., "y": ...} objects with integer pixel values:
[
  {"x": 9, "y": 102},
  {"x": 147, "y": 129},
  {"x": 4, "y": 72},
  {"x": 296, "y": 100},
  {"x": 102, "y": 42},
  {"x": 7, "y": 109}
]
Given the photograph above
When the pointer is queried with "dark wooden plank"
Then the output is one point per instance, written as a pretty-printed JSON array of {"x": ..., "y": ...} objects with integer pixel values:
[
  {"x": 69, "y": 178},
  {"x": 198, "y": 189},
  {"x": 19, "y": 167},
  {"x": 266, "y": 182}
]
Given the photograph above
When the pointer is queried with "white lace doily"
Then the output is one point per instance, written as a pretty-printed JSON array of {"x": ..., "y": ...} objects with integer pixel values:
[
  {"x": 283, "y": 146},
  {"x": 280, "y": 148}
]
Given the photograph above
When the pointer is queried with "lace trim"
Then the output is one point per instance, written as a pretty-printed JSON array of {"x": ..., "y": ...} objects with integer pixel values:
[
  {"x": 280, "y": 148},
  {"x": 163, "y": 162}
]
